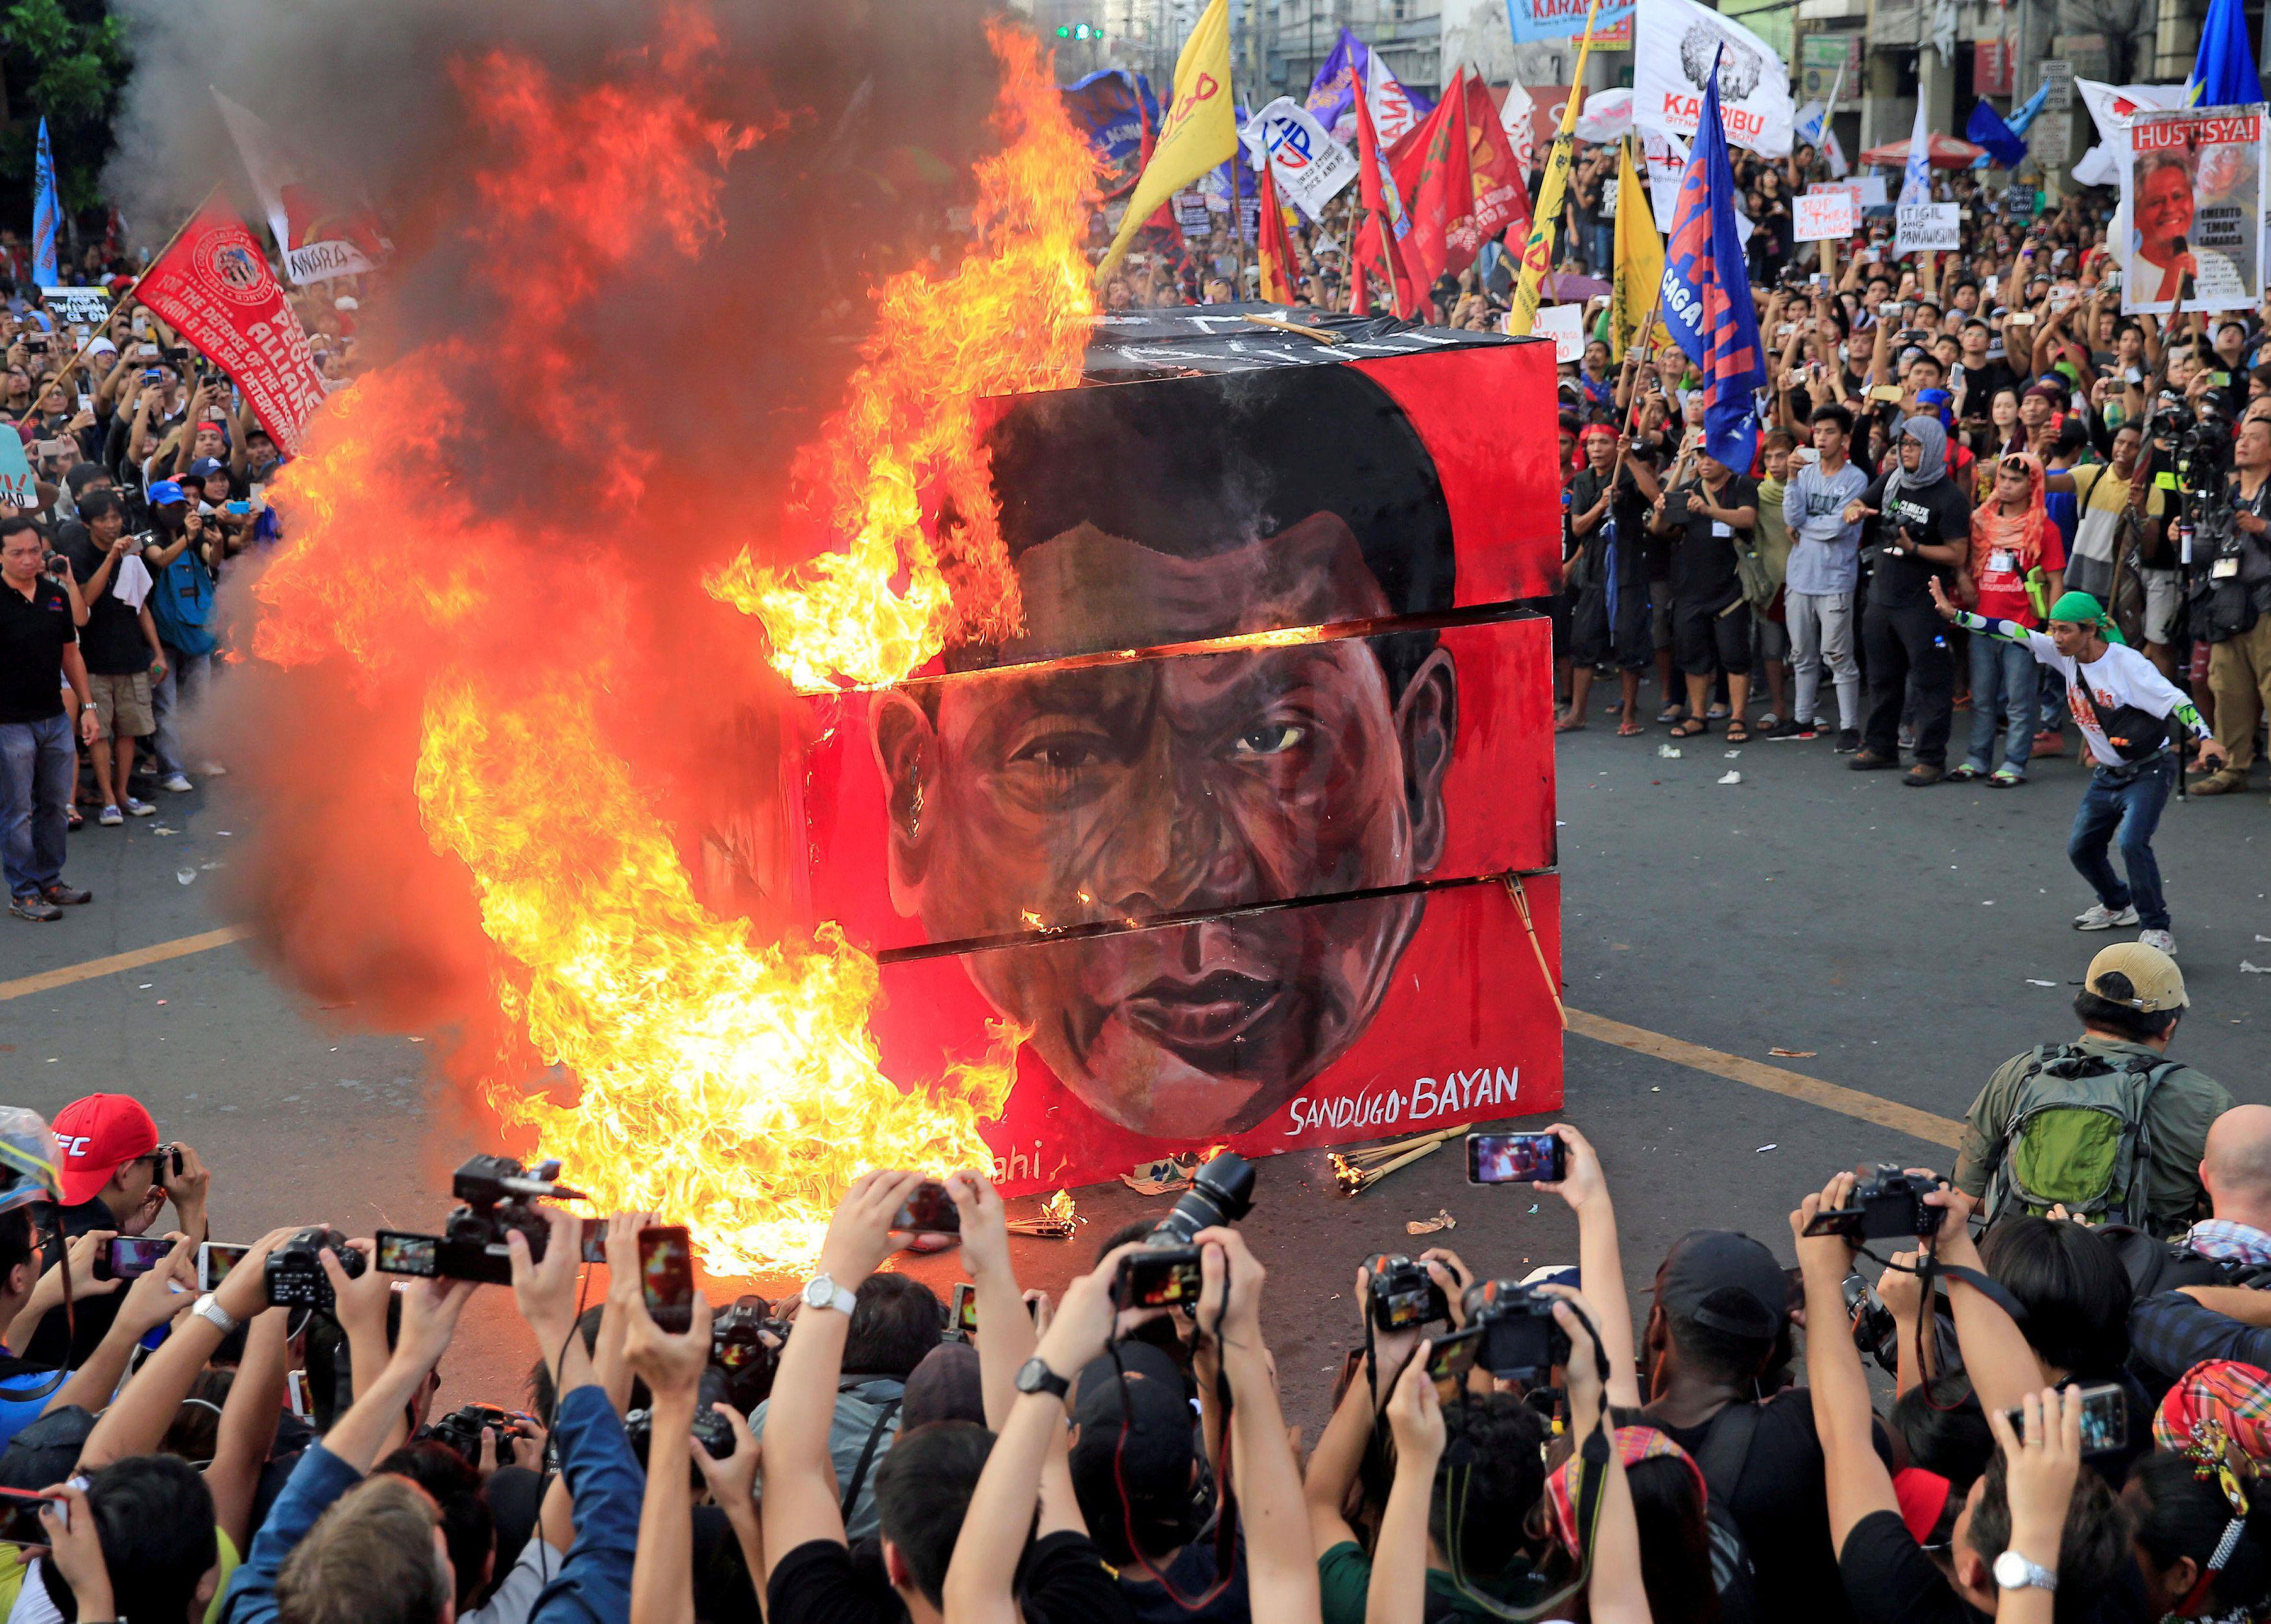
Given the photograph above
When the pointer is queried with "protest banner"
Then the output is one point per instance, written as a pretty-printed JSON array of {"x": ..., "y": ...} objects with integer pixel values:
[
  {"x": 1564, "y": 324},
  {"x": 1874, "y": 192},
  {"x": 1117, "y": 112},
  {"x": 1531, "y": 20},
  {"x": 1191, "y": 215},
  {"x": 88, "y": 307},
  {"x": 1675, "y": 43},
  {"x": 1199, "y": 131},
  {"x": 1826, "y": 216},
  {"x": 320, "y": 233},
  {"x": 213, "y": 288},
  {"x": 17, "y": 487},
  {"x": 1927, "y": 226},
  {"x": 2193, "y": 197},
  {"x": 1309, "y": 167}
]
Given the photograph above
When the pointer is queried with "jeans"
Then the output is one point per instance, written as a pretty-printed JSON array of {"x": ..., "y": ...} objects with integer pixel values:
[
  {"x": 187, "y": 678},
  {"x": 1822, "y": 633},
  {"x": 1902, "y": 642},
  {"x": 2130, "y": 798},
  {"x": 38, "y": 760},
  {"x": 2004, "y": 690},
  {"x": 2052, "y": 682}
]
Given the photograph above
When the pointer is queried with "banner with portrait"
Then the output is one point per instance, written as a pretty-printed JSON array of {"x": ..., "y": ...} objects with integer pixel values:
[
  {"x": 1227, "y": 828},
  {"x": 2194, "y": 200}
]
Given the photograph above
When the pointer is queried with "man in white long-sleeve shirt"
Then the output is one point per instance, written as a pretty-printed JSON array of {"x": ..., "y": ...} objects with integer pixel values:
[
  {"x": 2123, "y": 705},
  {"x": 1823, "y": 572}
]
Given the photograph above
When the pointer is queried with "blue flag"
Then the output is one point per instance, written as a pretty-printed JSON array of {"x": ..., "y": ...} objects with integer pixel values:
[
  {"x": 1988, "y": 128},
  {"x": 2223, "y": 73},
  {"x": 1332, "y": 93},
  {"x": 1707, "y": 294},
  {"x": 1114, "y": 108},
  {"x": 46, "y": 215}
]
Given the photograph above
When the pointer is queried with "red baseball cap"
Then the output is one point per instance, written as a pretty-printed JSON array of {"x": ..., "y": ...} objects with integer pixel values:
[{"x": 96, "y": 1137}]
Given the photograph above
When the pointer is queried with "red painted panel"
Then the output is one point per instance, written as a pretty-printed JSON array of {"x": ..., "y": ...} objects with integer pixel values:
[{"x": 1325, "y": 1022}]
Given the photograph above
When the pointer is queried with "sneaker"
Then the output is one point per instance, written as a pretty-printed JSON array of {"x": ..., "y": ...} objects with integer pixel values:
[
  {"x": 1848, "y": 739},
  {"x": 1805, "y": 733},
  {"x": 139, "y": 809},
  {"x": 1869, "y": 761},
  {"x": 175, "y": 785},
  {"x": 2160, "y": 939},
  {"x": 34, "y": 909},
  {"x": 1924, "y": 775},
  {"x": 2097, "y": 916},
  {"x": 110, "y": 817},
  {"x": 2049, "y": 744},
  {"x": 62, "y": 896}
]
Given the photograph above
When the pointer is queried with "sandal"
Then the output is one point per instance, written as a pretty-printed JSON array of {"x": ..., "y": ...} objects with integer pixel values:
[
  {"x": 1671, "y": 713},
  {"x": 1739, "y": 732},
  {"x": 1965, "y": 773},
  {"x": 1570, "y": 724},
  {"x": 2004, "y": 777},
  {"x": 1629, "y": 730},
  {"x": 1690, "y": 728}
]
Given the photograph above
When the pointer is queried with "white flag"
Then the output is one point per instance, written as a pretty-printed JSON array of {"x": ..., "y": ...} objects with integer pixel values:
[
  {"x": 1916, "y": 174},
  {"x": 1392, "y": 112},
  {"x": 1674, "y": 44},
  {"x": 1514, "y": 118},
  {"x": 1311, "y": 169},
  {"x": 320, "y": 233}
]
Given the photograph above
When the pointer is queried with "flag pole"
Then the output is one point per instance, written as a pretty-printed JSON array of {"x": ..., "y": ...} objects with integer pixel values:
[
  {"x": 117, "y": 309},
  {"x": 1537, "y": 252}
]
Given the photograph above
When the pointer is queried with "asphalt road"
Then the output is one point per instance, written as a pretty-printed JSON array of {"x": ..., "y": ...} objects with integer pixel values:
[{"x": 1896, "y": 936}]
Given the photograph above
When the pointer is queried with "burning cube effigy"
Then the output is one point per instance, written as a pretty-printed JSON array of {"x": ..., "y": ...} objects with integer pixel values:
[{"x": 1245, "y": 829}]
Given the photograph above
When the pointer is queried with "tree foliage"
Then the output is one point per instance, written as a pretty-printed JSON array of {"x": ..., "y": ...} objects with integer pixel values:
[{"x": 65, "y": 60}]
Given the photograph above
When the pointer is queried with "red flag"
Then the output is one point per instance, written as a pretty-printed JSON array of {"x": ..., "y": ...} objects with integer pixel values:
[
  {"x": 213, "y": 288},
  {"x": 1280, "y": 270},
  {"x": 1377, "y": 244},
  {"x": 1430, "y": 166},
  {"x": 1502, "y": 189}
]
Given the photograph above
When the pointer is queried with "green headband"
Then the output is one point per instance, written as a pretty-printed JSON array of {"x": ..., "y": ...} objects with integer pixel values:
[{"x": 2083, "y": 610}]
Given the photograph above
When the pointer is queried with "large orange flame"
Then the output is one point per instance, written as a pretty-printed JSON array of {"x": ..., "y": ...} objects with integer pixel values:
[
  {"x": 1015, "y": 314},
  {"x": 731, "y": 1084}
]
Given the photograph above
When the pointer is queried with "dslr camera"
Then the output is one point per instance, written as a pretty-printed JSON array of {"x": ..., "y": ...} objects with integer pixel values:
[
  {"x": 1887, "y": 1206},
  {"x": 461, "y": 1429},
  {"x": 499, "y": 1195},
  {"x": 709, "y": 1428},
  {"x": 294, "y": 1270},
  {"x": 1165, "y": 1272},
  {"x": 739, "y": 1351},
  {"x": 1403, "y": 1294},
  {"x": 1520, "y": 1338}
]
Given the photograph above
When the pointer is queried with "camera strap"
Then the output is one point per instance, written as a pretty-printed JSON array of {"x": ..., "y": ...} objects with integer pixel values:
[
  {"x": 890, "y": 1409},
  {"x": 1929, "y": 1270}
]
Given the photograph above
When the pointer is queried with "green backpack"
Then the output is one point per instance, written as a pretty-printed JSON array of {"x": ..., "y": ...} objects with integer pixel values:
[{"x": 2077, "y": 1137}]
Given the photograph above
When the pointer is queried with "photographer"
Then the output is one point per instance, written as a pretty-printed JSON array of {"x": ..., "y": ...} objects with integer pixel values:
[
  {"x": 2080, "y": 1538},
  {"x": 2231, "y": 609},
  {"x": 1924, "y": 531}
]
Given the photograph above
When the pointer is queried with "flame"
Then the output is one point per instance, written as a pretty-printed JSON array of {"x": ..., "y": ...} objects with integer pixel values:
[
  {"x": 1014, "y": 315},
  {"x": 730, "y": 1084}
]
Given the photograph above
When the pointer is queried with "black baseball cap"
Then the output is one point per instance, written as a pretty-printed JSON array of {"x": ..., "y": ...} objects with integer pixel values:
[
  {"x": 1135, "y": 1427},
  {"x": 1724, "y": 1281}
]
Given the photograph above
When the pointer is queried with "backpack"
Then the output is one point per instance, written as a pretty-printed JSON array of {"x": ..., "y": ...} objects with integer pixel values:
[
  {"x": 2154, "y": 1265},
  {"x": 2077, "y": 1136},
  {"x": 1725, "y": 1451}
]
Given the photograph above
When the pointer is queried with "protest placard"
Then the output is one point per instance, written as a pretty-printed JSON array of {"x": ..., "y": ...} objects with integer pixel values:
[
  {"x": 1565, "y": 324},
  {"x": 89, "y": 307},
  {"x": 1926, "y": 225},
  {"x": 2193, "y": 192},
  {"x": 1826, "y": 216},
  {"x": 17, "y": 489}
]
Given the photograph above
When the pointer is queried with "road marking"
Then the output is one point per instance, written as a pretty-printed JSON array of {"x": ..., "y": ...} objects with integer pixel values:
[
  {"x": 1790, "y": 1084},
  {"x": 180, "y": 947}
]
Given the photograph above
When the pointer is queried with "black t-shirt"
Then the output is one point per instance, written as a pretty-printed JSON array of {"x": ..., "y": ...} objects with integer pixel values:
[
  {"x": 1983, "y": 382},
  {"x": 1930, "y": 517},
  {"x": 34, "y": 631},
  {"x": 1703, "y": 568},
  {"x": 1780, "y": 1499},
  {"x": 111, "y": 639},
  {"x": 1889, "y": 1580},
  {"x": 821, "y": 1582}
]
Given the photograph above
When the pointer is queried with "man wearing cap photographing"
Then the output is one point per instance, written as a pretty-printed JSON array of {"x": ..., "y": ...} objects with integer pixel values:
[
  {"x": 2124, "y": 708},
  {"x": 115, "y": 1174},
  {"x": 2118, "y": 1074}
]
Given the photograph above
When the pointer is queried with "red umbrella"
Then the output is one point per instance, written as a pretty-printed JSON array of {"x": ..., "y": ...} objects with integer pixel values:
[{"x": 1944, "y": 152}]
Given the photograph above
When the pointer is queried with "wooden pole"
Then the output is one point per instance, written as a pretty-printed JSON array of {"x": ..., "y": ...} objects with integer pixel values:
[{"x": 117, "y": 309}]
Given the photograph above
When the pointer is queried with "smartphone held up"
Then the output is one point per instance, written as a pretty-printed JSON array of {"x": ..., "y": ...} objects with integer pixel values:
[{"x": 1516, "y": 1158}]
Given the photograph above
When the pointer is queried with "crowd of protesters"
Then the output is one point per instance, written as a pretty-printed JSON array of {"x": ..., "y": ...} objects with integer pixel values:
[
  {"x": 1966, "y": 490},
  {"x": 2071, "y": 1421},
  {"x": 149, "y": 476}
]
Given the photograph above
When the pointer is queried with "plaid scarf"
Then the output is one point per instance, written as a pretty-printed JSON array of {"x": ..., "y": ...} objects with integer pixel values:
[{"x": 2229, "y": 1242}]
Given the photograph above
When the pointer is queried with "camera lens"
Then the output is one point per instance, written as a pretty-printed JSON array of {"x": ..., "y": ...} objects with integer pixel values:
[{"x": 1221, "y": 1192}]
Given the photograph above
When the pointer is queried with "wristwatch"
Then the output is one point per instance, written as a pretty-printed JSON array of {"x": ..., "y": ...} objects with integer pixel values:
[
  {"x": 820, "y": 1291},
  {"x": 206, "y": 1308},
  {"x": 2014, "y": 1572},
  {"x": 1035, "y": 1377}
]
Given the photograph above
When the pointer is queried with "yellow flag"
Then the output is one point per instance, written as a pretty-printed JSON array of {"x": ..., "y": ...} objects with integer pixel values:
[
  {"x": 1201, "y": 128},
  {"x": 1640, "y": 260},
  {"x": 1537, "y": 252}
]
